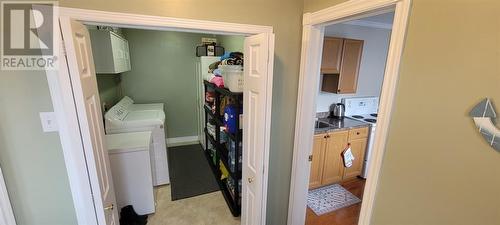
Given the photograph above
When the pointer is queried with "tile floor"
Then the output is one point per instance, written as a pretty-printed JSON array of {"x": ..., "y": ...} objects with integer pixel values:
[{"x": 207, "y": 209}]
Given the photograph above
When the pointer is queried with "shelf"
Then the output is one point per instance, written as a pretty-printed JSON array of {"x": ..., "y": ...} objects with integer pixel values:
[
  {"x": 231, "y": 202},
  {"x": 224, "y": 156},
  {"x": 215, "y": 118},
  {"x": 223, "y": 152},
  {"x": 223, "y": 91},
  {"x": 233, "y": 136}
]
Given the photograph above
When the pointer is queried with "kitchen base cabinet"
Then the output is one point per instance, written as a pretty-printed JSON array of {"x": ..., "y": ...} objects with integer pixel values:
[
  {"x": 358, "y": 147},
  {"x": 327, "y": 165},
  {"x": 333, "y": 165},
  {"x": 317, "y": 161}
]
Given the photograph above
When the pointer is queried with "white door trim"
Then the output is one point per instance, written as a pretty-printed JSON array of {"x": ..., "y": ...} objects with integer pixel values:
[
  {"x": 6, "y": 213},
  {"x": 64, "y": 106},
  {"x": 312, "y": 44}
]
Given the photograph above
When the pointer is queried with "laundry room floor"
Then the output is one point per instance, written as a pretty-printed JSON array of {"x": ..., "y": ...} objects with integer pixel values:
[{"x": 207, "y": 209}]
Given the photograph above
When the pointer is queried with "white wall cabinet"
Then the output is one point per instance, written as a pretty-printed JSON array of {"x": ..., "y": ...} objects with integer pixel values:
[{"x": 110, "y": 51}]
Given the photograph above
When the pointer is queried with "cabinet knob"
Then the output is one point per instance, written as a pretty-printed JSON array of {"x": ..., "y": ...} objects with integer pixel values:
[{"x": 357, "y": 133}]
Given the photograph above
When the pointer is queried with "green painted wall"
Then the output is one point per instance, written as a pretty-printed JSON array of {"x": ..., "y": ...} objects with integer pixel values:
[
  {"x": 437, "y": 168},
  {"x": 110, "y": 90},
  {"x": 232, "y": 43},
  {"x": 164, "y": 70},
  {"x": 32, "y": 161}
]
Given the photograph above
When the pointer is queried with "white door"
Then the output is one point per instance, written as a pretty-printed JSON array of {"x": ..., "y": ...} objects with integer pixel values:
[
  {"x": 6, "y": 213},
  {"x": 259, "y": 50},
  {"x": 83, "y": 79}
]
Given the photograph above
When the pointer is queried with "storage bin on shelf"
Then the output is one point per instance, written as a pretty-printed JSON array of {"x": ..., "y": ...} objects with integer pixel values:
[{"x": 233, "y": 77}]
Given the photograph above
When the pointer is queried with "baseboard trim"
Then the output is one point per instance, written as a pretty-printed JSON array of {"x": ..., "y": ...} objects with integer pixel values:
[{"x": 180, "y": 141}]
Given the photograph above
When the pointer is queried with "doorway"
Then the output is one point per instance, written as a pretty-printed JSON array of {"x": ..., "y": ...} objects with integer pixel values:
[
  {"x": 346, "y": 160},
  {"x": 259, "y": 44}
]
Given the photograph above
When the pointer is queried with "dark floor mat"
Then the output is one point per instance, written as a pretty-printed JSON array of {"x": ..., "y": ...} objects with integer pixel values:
[{"x": 190, "y": 174}]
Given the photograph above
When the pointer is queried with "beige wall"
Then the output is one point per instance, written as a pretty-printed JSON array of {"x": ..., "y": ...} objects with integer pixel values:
[
  {"x": 286, "y": 17},
  {"x": 437, "y": 168}
]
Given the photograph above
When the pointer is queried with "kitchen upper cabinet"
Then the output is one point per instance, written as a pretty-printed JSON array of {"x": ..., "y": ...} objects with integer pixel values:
[
  {"x": 327, "y": 165},
  {"x": 340, "y": 65},
  {"x": 333, "y": 165},
  {"x": 110, "y": 51},
  {"x": 317, "y": 160},
  {"x": 332, "y": 55}
]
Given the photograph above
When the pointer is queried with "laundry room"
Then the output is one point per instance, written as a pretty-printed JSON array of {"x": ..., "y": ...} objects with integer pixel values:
[{"x": 172, "y": 105}]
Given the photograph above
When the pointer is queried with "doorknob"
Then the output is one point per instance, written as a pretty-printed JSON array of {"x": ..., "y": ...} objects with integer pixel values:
[
  {"x": 250, "y": 179},
  {"x": 111, "y": 207}
]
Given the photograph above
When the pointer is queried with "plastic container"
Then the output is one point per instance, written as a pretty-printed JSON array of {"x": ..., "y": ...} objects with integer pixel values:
[{"x": 233, "y": 77}]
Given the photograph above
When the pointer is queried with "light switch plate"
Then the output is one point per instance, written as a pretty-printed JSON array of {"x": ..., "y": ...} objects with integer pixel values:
[{"x": 49, "y": 121}]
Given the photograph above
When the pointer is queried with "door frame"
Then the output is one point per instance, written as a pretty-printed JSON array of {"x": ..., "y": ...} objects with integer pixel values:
[
  {"x": 6, "y": 213},
  {"x": 312, "y": 46},
  {"x": 61, "y": 91}
]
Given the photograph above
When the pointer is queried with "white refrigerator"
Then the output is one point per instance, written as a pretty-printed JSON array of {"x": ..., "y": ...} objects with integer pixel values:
[{"x": 203, "y": 74}]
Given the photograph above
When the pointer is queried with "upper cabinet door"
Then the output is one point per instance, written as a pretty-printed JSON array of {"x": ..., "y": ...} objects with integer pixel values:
[
  {"x": 351, "y": 61},
  {"x": 332, "y": 55}
]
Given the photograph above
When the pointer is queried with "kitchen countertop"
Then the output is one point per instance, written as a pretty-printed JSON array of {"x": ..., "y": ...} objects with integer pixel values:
[{"x": 339, "y": 124}]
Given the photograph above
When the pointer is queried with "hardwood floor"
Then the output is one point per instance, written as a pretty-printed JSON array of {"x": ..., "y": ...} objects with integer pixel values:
[{"x": 345, "y": 216}]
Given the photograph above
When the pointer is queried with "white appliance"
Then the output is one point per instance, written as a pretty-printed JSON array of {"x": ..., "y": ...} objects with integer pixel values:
[
  {"x": 203, "y": 74},
  {"x": 131, "y": 170},
  {"x": 364, "y": 109},
  {"x": 125, "y": 118},
  {"x": 128, "y": 103}
]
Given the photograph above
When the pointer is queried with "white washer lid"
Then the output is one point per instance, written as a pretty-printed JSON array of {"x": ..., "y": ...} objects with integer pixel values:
[{"x": 127, "y": 142}]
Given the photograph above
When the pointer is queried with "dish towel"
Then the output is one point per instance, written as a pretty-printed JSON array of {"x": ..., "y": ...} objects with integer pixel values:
[{"x": 348, "y": 157}]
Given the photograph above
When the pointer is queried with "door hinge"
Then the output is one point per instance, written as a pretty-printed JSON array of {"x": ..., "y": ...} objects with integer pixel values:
[{"x": 310, "y": 158}]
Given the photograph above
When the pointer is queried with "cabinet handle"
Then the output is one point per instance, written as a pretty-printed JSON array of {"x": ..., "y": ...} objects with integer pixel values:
[{"x": 357, "y": 133}]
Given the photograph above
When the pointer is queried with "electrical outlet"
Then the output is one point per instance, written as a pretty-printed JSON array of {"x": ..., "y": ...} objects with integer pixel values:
[{"x": 49, "y": 121}]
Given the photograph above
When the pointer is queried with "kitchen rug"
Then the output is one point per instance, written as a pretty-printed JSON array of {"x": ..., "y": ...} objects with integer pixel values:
[
  {"x": 330, "y": 198},
  {"x": 190, "y": 174}
]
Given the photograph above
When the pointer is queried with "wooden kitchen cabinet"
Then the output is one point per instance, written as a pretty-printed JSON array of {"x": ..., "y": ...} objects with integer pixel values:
[
  {"x": 333, "y": 166},
  {"x": 327, "y": 165},
  {"x": 332, "y": 55},
  {"x": 358, "y": 148},
  {"x": 340, "y": 67},
  {"x": 319, "y": 146}
]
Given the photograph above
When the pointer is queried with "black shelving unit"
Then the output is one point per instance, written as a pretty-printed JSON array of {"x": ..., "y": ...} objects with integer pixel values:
[{"x": 233, "y": 198}]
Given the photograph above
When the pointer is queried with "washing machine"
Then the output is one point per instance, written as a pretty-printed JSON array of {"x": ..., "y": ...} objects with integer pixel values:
[
  {"x": 130, "y": 161},
  {"x": 123, "y": 118},
  {"x": 129, "y": 103}
]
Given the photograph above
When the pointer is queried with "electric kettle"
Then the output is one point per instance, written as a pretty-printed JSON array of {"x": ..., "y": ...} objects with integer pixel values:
[{"x": 338, "y": 110}]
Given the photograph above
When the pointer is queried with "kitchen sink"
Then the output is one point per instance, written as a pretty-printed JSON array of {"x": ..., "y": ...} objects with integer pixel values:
[{"x": 320, "y": 124}]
